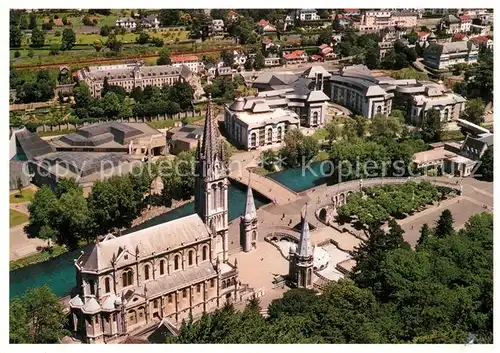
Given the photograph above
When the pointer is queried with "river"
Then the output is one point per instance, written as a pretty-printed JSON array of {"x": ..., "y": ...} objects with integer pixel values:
[{"x": 59, "y": 273}]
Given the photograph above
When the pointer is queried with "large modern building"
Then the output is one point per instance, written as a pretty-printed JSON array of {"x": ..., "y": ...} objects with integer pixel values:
[
  {"x": 373, "y": 20},
  {"x": 162, "y": 274},
  {"x": 132, "y": 75},
  {"x": 356, "y": 89},
  {"x": 443, "y": 56}
]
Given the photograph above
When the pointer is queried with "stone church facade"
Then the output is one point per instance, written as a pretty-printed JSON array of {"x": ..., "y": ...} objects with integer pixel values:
[{"x": 169, "y": 272}]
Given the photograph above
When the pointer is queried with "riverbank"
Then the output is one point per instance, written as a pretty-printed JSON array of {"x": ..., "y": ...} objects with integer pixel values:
[{"x": 42, "y": 256}]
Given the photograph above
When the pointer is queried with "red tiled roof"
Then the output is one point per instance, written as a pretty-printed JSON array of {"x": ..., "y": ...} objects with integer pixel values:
[
  {"x": 233, "y": 13},
  {"x": 422, "y": 34},
  {"x": 326, "y": 50},
  {"x": 465, "y": 18},
  {"x": 294, "y": 54},
  {"x": 323, "y": 46},
  {"x": 58, "y": 22},
  {"x": 184, "y": 58},
  {"x": 459, "y": 35},
  {"x": 263, "y": 23},
  {"x": 269, "y": 28},
  {"x": 316, "y": 57},
  {"x": 480, "y": 39}
]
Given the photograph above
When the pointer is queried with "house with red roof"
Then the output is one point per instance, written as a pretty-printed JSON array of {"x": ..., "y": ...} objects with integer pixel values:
[
  {"x": 459, "y": 37},
  {"x": 422, "y": 37},
  {"x": 233, "y": 15},
  {"x": 191, "y": 61},
  {"x": 465, "y": 23},
  {"x": 326, "y": 52},
  {"x": 296, "y": 57},
  {"x": 483, "y": 42},
  {"x": 264, "y": 26}
]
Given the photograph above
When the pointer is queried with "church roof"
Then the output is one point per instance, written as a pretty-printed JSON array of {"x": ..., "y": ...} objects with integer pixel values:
[
  {"x": 250, "y": 211},
  {"x": 161, "y": 237},
  {"x": 305, "y": 248},
  {"x": 109, "y": 302},
  {"x": 76, "y": 302},
  {"x": 91, "y": 306},
  {"x": 313, "y": 70}
]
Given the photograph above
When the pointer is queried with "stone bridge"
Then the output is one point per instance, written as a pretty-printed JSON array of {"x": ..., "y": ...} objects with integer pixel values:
[{"x": 274, "y": 191}]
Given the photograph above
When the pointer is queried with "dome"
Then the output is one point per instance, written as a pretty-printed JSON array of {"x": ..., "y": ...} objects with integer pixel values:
[{"x": 238, "y": 105}]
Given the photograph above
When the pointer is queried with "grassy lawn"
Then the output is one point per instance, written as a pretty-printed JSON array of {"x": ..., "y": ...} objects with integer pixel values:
[
  {"x": 452, "y": 135},
  {"x": 162, "y": 124},
  {"x": 39, "y": 257},
  {"x": 192, "y": 119},
  {"x": 25, "y": 197},
  {"x": 55, "y": 133},
  {"x": 259, "y": 170},
  {"x": 320, "y": 134},
  {"x": 17, "y": 218}
]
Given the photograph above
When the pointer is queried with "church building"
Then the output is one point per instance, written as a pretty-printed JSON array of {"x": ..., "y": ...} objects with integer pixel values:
[{"x": 166, "y": 273}]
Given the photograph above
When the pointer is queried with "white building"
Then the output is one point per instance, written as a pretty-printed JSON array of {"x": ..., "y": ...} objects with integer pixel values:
[
  {"x": 239, "y": 58},
  {"x": 308, "y": 15},
  {"x": 217, "y": 26},
  {"x": 150, "y": 21},
  {"x": 126, "y": 22},
  {"x": 465, "y": 24},
  {"x": 442, "y": 56},
  {"x": 191, "y": 61}
]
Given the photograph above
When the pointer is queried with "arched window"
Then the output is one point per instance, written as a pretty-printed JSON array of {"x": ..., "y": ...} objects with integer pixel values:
[
  {"x": 190, "y": 257},
  {"x": 162, "y": 267},
  {"x": 214, "y": 197},
  {"x": 379, "y": 109},
  {"x": 315, "y": 118},
  {"x": 146, "y": 272},
  {"x": 280, "y": 131},
  {"x": 107, "y": 285},
  {"x": 127, "y": 278},
  {"x": 204, "y": 253},
  {"x": 254, "y": 235},
  {"x": 253, "y": 139},
  {"x": 221, "y": 195},
  {"x": 177, "y": 258},
  {"x": 269, "y": 135}
]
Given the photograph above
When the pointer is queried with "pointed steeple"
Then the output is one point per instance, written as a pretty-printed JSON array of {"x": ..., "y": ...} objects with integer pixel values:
[
  {"x": 305, "y": 248},
  {"x": 250, "y": 211},
  {"x": 210, "y": 147}
]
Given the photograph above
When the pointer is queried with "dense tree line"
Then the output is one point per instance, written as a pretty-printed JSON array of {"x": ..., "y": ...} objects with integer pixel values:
[
  {"x": 39, "y": 88},
  {"x": 478, "y": 81},
  {"x": 439, "y": 293}
]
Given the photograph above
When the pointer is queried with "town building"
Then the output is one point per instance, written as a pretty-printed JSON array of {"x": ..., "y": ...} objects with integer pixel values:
[
  {"x": 184, "y": 138},
  {"x": 150, "y": 21},
  {"x": 352, "y": 12},
  {"x": 296, "y": 57},
  {"x": 239, "y": 58},
  {"x": 217, "y": 26},
  {"x": 264, "y": 26},
  {"x": 326, "y": 52},
  {"x": 451, "y": 24},
  {"x": 422, "y": 37},
  {"x": 132, "y": 75},
  {"x": 272, "y": 61},
  {"x": 373, "y": 20},
  {"x": 458, "y": 37},
  {"x": 465, "y": 23},
  {"x": 233, "y": 15},
  {"x": 126, "y": 22},
  {"x": 191, "y": 61},
  {"x": 356, "y": 89},
  {"x": 443, "y": 56},
  {"x": 165, "y": 273},
  {"x": 308, "y": 15},
  {"x": 482, "y": 42}
]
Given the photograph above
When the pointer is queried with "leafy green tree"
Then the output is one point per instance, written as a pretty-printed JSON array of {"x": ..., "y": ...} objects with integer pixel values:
[
  {"x": 32, "y": 24},
  {"x": 111, "y": 104},
  {"x": 385, "y": 126},
  {"x": 372, "y": 58},
  {"x": 444, "y": 225},
  {"x": 142, "y": 38},
  {"x": 325, "y": 36},
  {"x": 73, "y": 218},
  {"x": 227, "y": 56},
  {"x": 157, "y": 42},
  {"x": 104, "y": 31},
  {"x": 164, "y": 58},
  {"x": 259, "y": 61},
  {"x": 485, "y": 169},
  {"x": 37, "y": 317},
  {"x": 474, "y": 111},
  {"x": 98, "y": 45},
  {"x": 432, "y": 127},
  {"x": 68, "y": 39},
  {"x": 298, "y": 149},
  {"x": 113, "y": 43},
  {"x": 65, "y": 185},
  {"x": 82, "y": 96},
  {"x": 37, "y": 38},
  {"x": 15, "y": 37},
  {"x": 43, "y": 210},
  {"x": 425, "y": 233}
]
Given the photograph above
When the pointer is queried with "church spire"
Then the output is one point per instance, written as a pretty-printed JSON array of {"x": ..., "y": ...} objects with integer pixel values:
[
  {"x": 250, "y": 211},
  {"x": 305, "y": 249},
  {"x": 210, "y": 148}
]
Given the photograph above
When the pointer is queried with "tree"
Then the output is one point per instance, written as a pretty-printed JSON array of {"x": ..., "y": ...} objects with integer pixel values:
[
  {"x": 432, "y": 128},
  {"x": 325, "y": 37},
  {"x": 142, "y": 38},
  {"x": 157, "y": 42},
  {"x": 298, "y": 149},
  {"x": 114, "y": 44},
  {"x": 43, "y": 210},
  {"x": 32, "y": 24},
  {"x": 31, "y": 54},
  {"x": 73, "y": 219},
  {"x": 425, "y": 233},
  {"x": 23, "y": 22},
  {"x": 82, "y": 95},
  {"x": 111, "y": 104},
  {"x": 37, "y": 317},
  {"x": 372, "y": 58},
  {"x": 98, "y": 45},
  {"x": 248, "y": 64},
  {"x": 104, "y": 31},
  {"x": 395, "y": 234},
  {"x": 474, "y": 111},
  {"x": 485, "y": 169},
  {"x": 259, "y": 61},
  {"x": 164, "y": 58},
  {"x": 15, "y": 37},
  {"x": 227, "y": 56},
  {"x": 334, "y": 130},
  {"x": 37, "y": 38},
  {"x": 385, "y": 126},
  {"x": 68, "y": 39},
  {"x": 444, "y": 225},
  {"x": 19, "y": 185}
]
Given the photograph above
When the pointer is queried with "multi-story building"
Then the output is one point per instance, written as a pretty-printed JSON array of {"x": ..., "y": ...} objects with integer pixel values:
[
  {"x": 356, "y": 89},
  {"x": 133, "y": 75},
  {"x": 482, "y": 42},
  {"x": 442, "y": 56},
  {"x": 465, "y": 23},
  {"x": 126, "y": 22},
  {"x": 308, "y": 15},
  {"x": 372, "y": 20},
  {"x": 164, "y": 273},
  {"x": 217, "y": 26},
  {"x": 150, "y": 21},
  {"x": 272, "y": 61},
  {"x": 191, "y": 61},
  {"x": 296, "y": 57}
]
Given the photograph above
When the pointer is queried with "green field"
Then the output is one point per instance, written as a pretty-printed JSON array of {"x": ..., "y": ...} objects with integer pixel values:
[
  {"x": 17, "y": 218},
  {"x": 26, "y": 196}
]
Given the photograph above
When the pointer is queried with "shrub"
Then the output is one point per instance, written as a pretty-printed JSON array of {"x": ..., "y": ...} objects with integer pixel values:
[
  {"x": 57, "y": 33},
  {"x": 17, "y": 54}
]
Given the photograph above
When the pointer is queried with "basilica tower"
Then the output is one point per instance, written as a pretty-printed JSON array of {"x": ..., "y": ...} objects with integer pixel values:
[
  {"x": 211, "y": 186},
  {"x": 248, "y": 223}
]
